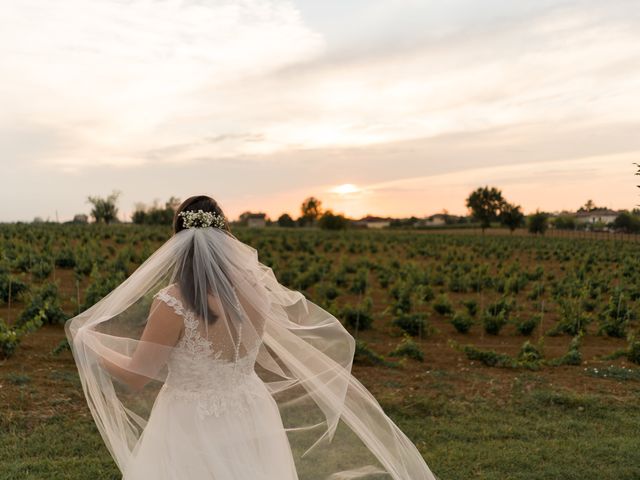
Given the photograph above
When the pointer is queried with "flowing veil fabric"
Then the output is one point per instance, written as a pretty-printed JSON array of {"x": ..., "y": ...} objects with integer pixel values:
[{"x": 301, "y": 353}]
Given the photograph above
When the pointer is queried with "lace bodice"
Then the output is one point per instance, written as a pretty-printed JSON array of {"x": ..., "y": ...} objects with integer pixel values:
[{"x": 198, "y": 373}]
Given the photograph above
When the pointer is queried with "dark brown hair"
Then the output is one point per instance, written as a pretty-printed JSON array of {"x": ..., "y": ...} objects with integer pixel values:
[{"x": 185, "y": 274}]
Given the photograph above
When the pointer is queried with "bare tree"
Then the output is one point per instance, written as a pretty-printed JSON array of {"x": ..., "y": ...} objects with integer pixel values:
[{"x": 105, "y": 209}]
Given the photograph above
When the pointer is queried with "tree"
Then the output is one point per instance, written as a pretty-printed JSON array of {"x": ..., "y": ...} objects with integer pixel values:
[
  {"x": 486, "y": 205},
  {"x": 285, "y": 220},
  {"x": 156, "y": 215},
  {"x": 565, "y": 222},
  {"x": 538, "y": 222},
  {"x": 638, "y": 171},
  {"x": 627, "y": 222},
  {"x": 311, "y": 209},
  {"x": 511, "y": 216},
  {"x": 104, "y": 209},
  {"x": 590, "y": 206},
  {"x": 331, "y": 221}
]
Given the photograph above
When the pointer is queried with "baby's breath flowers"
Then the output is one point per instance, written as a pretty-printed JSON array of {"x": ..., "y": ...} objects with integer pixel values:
[{"x": 201, "y": 219}]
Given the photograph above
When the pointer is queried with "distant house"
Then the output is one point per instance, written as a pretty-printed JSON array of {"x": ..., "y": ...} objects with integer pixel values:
[
  {"x": 598, "y": 216},
  {"x": 256, "y": 220},
  {"x": 80, "y": 218},
  {"x": 373, "y": 222},
  {"x": 436, "y": 220}
]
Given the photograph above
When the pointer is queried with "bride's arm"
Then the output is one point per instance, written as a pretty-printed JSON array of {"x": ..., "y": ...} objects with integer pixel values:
[{"x": 159, "y": 336}]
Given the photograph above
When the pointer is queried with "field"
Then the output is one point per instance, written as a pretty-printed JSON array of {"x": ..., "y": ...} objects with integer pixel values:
[{"x": 501, "y": 357}]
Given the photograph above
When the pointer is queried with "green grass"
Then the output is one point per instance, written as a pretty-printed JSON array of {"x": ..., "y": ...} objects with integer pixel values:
[
  {"x": 538, "y": 435},
  {"x": 541, "y": 434}
]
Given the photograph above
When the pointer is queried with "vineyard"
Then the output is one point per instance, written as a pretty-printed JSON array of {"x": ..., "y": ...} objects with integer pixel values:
[{"x": 501, "y": 356}]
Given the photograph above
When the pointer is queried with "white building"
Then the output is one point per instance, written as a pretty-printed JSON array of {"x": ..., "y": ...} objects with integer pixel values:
[
  {"x": 436, "y": 220},
  {"x": 599, "y": 216},
  {"x": 374, "y": 222},
  {"x": 256, "y": 220}
]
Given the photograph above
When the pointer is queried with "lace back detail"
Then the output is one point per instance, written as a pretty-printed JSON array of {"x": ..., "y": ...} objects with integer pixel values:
[
  {"x": 192, "y": 341},
  {"x": 197, "y": 374}
]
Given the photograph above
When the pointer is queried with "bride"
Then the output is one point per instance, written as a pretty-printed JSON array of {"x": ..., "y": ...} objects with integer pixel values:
[{"x": 202, "y": 366}]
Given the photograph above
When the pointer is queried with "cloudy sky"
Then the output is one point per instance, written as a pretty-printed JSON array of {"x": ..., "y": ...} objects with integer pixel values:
[{"x": 388, "y": 107}]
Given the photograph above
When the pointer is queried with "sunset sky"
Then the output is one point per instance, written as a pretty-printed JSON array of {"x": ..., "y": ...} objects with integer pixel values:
[{"x": 261, "y": 103}]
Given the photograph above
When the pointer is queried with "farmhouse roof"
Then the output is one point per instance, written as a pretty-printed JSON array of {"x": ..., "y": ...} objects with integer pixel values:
[
  {"x": 371, "y": 218},
  {"x": 600, "y": 212}
]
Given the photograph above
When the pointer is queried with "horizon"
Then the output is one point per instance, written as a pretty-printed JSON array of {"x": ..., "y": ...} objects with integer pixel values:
[{"x": 263, "y": 103}]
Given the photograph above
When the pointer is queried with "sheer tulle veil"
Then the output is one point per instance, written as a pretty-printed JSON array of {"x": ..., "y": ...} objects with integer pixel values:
[{"x": 303, "y": 354}]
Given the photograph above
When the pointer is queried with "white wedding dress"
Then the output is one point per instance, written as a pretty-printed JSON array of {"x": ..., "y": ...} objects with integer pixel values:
[
  {"x": 214, "y": 419},
  {"x": 262, "y": 392}
]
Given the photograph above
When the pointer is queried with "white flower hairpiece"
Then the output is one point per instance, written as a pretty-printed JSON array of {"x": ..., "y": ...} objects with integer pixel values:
[{"x": 201, "y": 219}]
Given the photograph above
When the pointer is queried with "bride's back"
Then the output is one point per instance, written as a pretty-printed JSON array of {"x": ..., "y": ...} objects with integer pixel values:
[{"x": 210, "y": 363}]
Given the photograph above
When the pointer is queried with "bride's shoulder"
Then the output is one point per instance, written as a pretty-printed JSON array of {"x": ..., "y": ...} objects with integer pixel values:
[{"x": 170, "y": 295}]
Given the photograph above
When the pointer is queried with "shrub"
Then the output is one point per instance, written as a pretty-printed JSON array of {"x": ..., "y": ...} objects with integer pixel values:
[
  {"x": 65, "y": 258},
  {"x": 490, "y": 358},
  {"x": 442, "y": 305},
  {"x": 358, "y": 317},
  {"x": 472, "y": 306},
  {"x": 10, "y": 337},
  {"x": 408, "y": 348},
  {"x": 401, "y": 292},
  {"x": 426, "y": 293},
  {"x": 364, "y": 355},
  {"x": 45, "y": 299},
  {"x": 616, "y": 316},
  {"x": 328, "y": 291},
  {"x": 11, "y": 287},
  {"x": 462, "y": 322},
  {"x": 573, "y": 355},
  {"x": 493, "y": 323},
  {"x": 573, "y": 320},
  {"x": 527, "y": 326},
  {"x": 413, "y": 324},
  {"x": 360, "y": 282},
  {"x": 633, "y": 353},
  {"x": 530, "y": 355}
]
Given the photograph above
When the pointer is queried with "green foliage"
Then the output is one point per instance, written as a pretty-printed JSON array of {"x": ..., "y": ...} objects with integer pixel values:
[
  {"x": 627, "y": 222},
  {"x": 104, "y": 209},
  {"x": 364, "y": 355},
  {"x": 565, "y": 222},
  {"x": 10, "y": 337},
  {"x": 527, "y": 326},
  {"x": 408, "y": 348},
  {"x": 45, "y": 300},
  {"x": 156, "y": 214},
  {"x": 472, "y": 306},
  {"x": 401, "y": 292},
  {"x": 573, "y": 355},
  {"x": 413, "y": 324},
  {"x": 485, "y": 204},
  {"x": 538, "y": 223},
  {"x": 573, "y": 319},
  {"x": 101, "y": 285},
  {"x": 65, "y": 258},
  {"x": 633, "y": 352},
  {"x": 330, "y": 221},
  {"x": 496, "y": 315},
  {"x": 490, "y": 358},
  {"x": 63, "y": 346},
  {"x": 511, "y": 216},
  {"x": 11, "y": 287},
  {"x": 530, "y": 355},
  {"x": 615, "y": 317},
  {"x": 443, "y": 305},
  {"x": 462, "y": 322},
  {"x": 358, "y": 317}
]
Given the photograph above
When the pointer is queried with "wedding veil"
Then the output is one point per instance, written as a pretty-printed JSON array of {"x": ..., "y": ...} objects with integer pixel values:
[{"x": 303, "y": 354}]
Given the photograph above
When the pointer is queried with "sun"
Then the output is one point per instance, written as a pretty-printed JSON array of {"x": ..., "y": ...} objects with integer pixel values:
[{"x": 345, "y": 189}]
